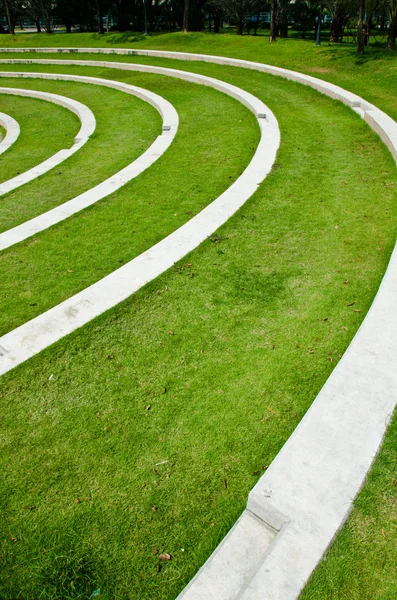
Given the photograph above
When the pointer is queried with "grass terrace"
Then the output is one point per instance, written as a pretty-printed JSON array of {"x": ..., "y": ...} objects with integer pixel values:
[
  {"x": 125, "y": 128},
  {"x": 38, "y": 119},
  {"x": 144, "y": 431}
]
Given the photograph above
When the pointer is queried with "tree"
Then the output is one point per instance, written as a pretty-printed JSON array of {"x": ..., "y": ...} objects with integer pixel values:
[
  {"x": 73, "y": 12},
  {"x": 392, "y": 11},
  {"x": 217, "y": 14},
  {"x": 65, "y": 10},
  {"x": 360, "y": 33},
  {"x": 123, "y": 18},
  {"x": 371, "y": 8},
  {"x": 218, "y": 18},
  {"x": 240, "y": 10},
  {"x": 8, "y": 5},
  {"x": 284, "y": 6},
  {"x": 340, "y": 11},
  {"x": 39, "y": 10},
  {"x": 99, "y": 15},
  {"x": 273, "y": 21},
  {"x": 303, "y": 16},
  {"x": 186, "y": 16}
]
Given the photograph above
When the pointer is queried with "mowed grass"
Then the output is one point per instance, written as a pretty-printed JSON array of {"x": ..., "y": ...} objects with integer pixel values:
[
  {"x": 125, "y": 128},
  {"x": 216, "y": 140},
  {"x": 144, "y": 431},
  {"x": 45, "y": 128},
  {"x": 373, "y": 75}
]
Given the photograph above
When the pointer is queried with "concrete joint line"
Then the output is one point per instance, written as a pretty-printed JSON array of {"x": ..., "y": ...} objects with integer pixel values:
[
  {"x": 12, "y": 131},
  {"x": 109, "y": 186},
  {"x": 87, "y": 128},
  {"x": 299, "y": 504}
]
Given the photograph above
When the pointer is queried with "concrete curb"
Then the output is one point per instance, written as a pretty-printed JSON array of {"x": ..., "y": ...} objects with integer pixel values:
[
  {"x": 105, "y": 188},
  {"x": 87, "y": 128},
  {"x": 12, "y": 131},
  {"x": 297, "y": 507},
  {"x": 37, "y": 334}
]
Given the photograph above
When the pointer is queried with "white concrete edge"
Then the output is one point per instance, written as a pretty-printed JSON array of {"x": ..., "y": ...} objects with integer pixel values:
[
  {"x": 87, "y": 128},
  {"x": 114, "y": 182},
  {"x": 247, "y": 99},
  {"x": 12, "y": 129},
  {"x": 44, "y": 330},
  {"x": 331, "y": 89},
  {"x": 308, "y": 491}
]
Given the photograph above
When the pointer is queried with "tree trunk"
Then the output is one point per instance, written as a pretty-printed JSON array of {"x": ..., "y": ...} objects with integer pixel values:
[
  {"x": 273, "y": 21},
  {"x": 68, "y": 25},
  {"x": 284, "y": 25},
  {"x": 337, "y": 26},
  {"x": 9, "y": 18},
  {"x": 391, "y": 40},
  {"x": 368, "y": 28},
  {"x": 342, "y": 33},
  {"x": 99, "y": 16},
  {"x": 146, "y": 17},
  {"x": 360, "y": 36},
  {"x": 240, "y": 25},
  {"x": 256, "y": 24},
  {"x": 315, "y": 27},
  {"x": 218, "y": 15},
  {"x": 123, "y": 20},
  {"x": 335, "y": 30},
  {"x": 38, "y": 26},
  {"x": 186, "y": 16},
  {"x": 47, "y": 21}
]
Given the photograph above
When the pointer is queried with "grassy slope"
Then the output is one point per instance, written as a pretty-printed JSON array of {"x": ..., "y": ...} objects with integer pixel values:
[
  {"x": 219, "y": 345},
  {"x": 138, "y": 215},
  {"x": 374, "y": 75},
  {"x": 121, "y": 135},
  {"x": 37, "y": 119}
]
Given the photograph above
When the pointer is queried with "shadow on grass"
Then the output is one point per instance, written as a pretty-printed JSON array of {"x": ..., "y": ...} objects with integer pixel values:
[
  {"x": 376, "y": 54},
  {"x": 70, "y": 569},
  {"x": 128, "y": 37},
  {"x": 339, "y": 52}
]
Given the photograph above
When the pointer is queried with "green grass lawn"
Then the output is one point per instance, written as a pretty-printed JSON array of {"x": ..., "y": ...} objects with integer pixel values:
[
  {"x": 122, "y": 134},
  {"x": 38, "y": 120},
  {"x": 373, "y": 75},
  {"x": 199, "y": 368},
  {"x": 37, "y": 275}
]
